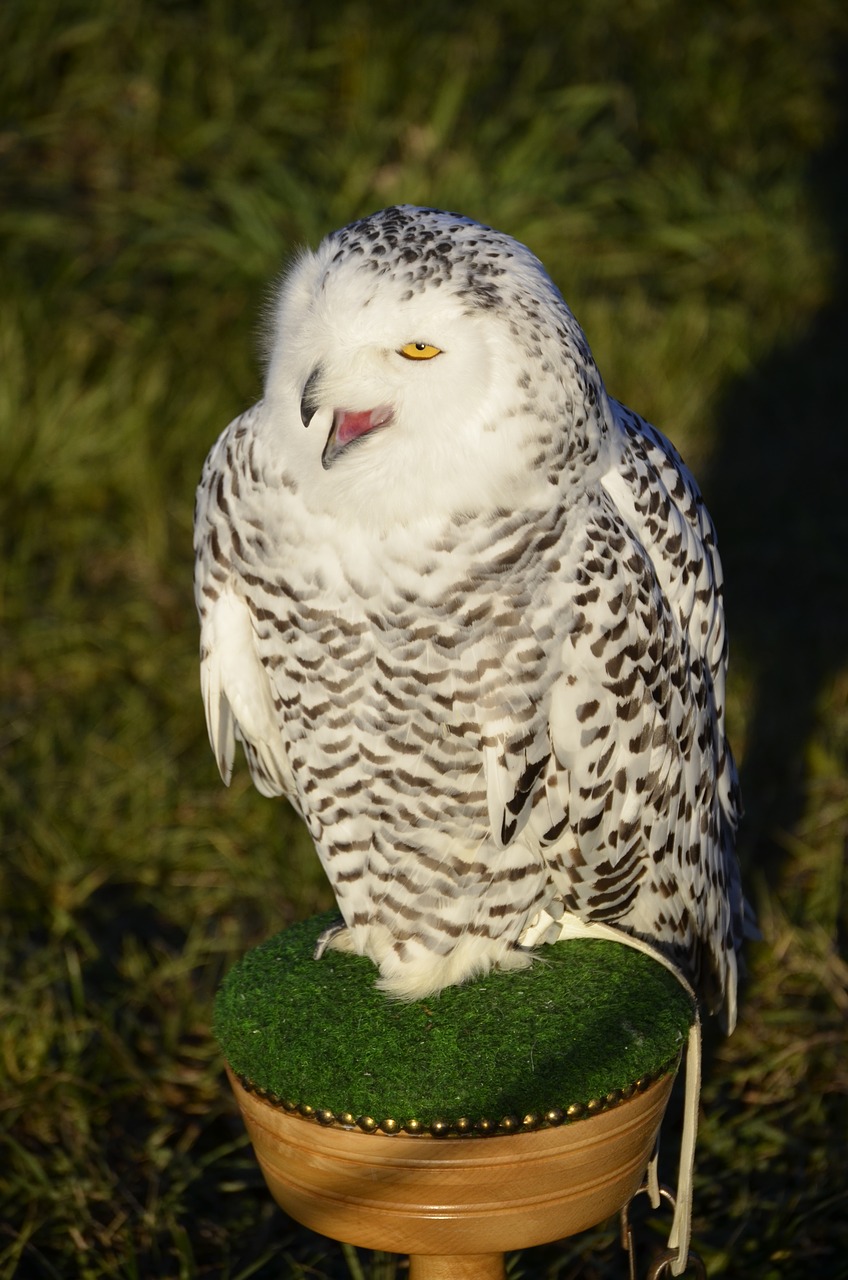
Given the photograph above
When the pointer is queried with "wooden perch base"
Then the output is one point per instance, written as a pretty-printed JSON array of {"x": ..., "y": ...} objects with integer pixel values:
[{"x": 455, "y": 1205}]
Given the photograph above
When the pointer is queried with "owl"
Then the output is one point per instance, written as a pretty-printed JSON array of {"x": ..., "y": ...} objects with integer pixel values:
[{"x": 464, "y": 611}]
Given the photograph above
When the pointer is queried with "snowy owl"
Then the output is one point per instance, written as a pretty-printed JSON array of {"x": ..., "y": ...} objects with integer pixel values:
[{"x": 464, "y": 610}]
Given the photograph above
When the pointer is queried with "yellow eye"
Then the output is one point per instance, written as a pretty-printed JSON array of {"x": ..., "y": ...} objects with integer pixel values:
[{"x": 420, "y": 351}]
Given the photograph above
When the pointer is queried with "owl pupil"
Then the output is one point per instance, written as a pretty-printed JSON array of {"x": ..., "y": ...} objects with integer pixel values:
[{"x": 419, "y": 346}]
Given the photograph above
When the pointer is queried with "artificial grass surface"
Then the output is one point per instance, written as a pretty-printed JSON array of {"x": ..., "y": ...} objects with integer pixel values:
[{"x": 590, "y": 1018}]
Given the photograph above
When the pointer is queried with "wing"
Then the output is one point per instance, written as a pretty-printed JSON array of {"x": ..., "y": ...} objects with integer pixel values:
[
  {"x": 237, "y": 694},
  {"x": 237, "y": 697},
  {"x": 640, "y": 791},
  {"x": 657, "y": 496}
]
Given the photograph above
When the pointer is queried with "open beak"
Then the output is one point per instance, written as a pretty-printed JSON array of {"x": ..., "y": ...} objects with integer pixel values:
[{"x": 350, "y": 425}]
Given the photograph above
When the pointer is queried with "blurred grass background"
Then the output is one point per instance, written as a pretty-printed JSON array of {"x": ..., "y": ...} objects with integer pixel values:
[{"x": 681, "y": 167}]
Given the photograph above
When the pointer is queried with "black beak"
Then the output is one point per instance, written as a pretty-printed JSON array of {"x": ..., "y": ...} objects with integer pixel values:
[{"x": 309, "y": 401}]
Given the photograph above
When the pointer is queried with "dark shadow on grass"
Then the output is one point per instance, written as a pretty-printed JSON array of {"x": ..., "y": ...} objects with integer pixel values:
[{"x": 777, "y": 491}]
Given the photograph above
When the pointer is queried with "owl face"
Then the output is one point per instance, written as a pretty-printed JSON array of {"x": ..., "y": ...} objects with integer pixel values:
[{"x": 400, "y": 385}]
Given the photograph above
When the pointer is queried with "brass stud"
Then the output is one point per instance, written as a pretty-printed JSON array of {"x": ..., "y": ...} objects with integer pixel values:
[
  {"x": 531, "y": 1121},
  {"x": 594, "y": 1105},
  {"x": 366, "y": 1123},
  {"x": 485, "y": 1127},
  {"x": 613, "y": 1097},
  {"x": 628, "y": 1091},
  {"x": 509, "y": 1124},
  {"x": 306, "y": 1111},
  {"x": 462, "y": 1125},
  {"x": 288, "y": 1104},
  {"x": 644, "y": 1082},
  {"x": 324, "y": 1117},
  {"x": 389, "y": 1126},
  {"x": 440, "y": 1128},
  {"x": 554, "y": 1116},
  {"x": 346, "y": 1118},
  {"x": 576, "y": 1111},
  {"x": 414, "y": 1127}
]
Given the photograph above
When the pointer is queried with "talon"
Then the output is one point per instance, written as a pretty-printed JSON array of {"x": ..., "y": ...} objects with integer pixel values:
[{"x": 329, "y": 938}]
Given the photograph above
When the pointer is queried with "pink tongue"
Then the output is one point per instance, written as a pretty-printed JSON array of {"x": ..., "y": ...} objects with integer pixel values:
[{"x": 349, "y": 424}]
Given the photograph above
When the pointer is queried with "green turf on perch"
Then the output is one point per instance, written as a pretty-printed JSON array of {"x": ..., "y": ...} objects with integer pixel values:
[{"x": 588, "y": 1020}]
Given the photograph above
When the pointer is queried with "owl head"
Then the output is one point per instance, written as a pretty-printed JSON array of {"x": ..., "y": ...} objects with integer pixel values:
[{"x": 422, "y": 365}]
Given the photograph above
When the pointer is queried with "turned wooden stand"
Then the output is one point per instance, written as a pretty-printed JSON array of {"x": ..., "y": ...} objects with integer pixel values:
[{"x": 455, "y": 1204}]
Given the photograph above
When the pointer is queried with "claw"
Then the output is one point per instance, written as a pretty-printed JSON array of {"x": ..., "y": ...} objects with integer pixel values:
[{"x": 330, "y": 937}]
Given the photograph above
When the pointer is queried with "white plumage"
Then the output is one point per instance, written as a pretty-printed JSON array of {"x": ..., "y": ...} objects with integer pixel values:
[{"x": 465, "y": 611}]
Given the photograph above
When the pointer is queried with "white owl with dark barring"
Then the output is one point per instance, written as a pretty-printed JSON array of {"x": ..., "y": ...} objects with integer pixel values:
[{"x": 465, "y": 611}]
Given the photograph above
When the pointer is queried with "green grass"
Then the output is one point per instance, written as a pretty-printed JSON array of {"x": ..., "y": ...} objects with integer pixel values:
[{"x": 681, "y": 168}]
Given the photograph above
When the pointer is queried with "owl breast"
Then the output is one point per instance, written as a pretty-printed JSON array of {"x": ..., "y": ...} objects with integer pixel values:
[{"x": 388, "y": 699}]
